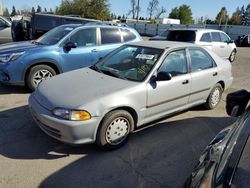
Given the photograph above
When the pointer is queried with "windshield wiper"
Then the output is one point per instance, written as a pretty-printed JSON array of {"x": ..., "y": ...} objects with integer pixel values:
[
  {"x": 108, "y": 72},
  {"x": 94, "y": 67}
]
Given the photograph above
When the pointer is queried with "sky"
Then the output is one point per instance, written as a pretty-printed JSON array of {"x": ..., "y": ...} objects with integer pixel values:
[{"x": 205, "y": 8}]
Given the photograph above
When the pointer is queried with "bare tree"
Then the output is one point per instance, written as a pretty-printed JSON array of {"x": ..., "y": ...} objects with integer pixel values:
[
  {"x": 152, "y": 7},
  {"x": 161, "y": 11},
  {"x": 133, "y": 9}
]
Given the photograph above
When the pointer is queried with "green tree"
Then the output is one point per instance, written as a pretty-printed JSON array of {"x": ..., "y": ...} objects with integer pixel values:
[
  {"x": 13, "y": 13},
  {"x": 39, "y": 8},
  {"x": 236, "y": 18},
  {"x": 33, "y": 10},
  {"x": 174, "y": 13},
  {"x": 96, "y": 9},
  {"x": 6, "y": 12},
  {"x": 183, "y": 13},
  {"x": 222, "y": 16}
]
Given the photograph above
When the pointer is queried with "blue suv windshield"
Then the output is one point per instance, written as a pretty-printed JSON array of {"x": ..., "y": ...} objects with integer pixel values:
[{"x": 54, "y": 36}]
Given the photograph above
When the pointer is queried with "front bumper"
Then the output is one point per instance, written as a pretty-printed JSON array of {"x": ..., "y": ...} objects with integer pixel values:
[
  {"x": 71, "y": 132},
  {"x": 11, "y": 74}
]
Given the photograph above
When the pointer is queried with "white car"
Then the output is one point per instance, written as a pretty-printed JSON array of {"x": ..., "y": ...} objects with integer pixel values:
[
  {"x": 5, "y": 30},
  {"x": 215, "y": 40}
]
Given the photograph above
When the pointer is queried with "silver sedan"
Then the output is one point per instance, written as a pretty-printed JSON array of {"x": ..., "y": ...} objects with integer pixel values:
[{"x": 133, "y": 85}]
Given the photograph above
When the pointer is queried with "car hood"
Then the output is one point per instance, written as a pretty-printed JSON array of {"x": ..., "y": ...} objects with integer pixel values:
[
  {"x": 17, "y": 46},
  {"x": 73, "y": 89}
]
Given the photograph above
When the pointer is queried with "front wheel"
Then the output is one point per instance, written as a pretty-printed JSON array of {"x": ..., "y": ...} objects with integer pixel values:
[
  {"x": 114, "y": 130},
  {"x": 37, "y": 74},
  {"x": 214, "y": 97},
  {"x": 232, "y": 56}
]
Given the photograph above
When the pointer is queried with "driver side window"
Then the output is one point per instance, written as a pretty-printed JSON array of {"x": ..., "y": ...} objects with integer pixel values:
[
  {"x": 84, "y": 37},
  {"x": 175, "y": 63}
]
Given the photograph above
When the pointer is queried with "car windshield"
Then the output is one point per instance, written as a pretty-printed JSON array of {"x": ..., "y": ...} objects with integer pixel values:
[
  {"x": 129, "y": 62},
  {"x": 181, "y": 35},
  {"x": 54, "y": 36}
]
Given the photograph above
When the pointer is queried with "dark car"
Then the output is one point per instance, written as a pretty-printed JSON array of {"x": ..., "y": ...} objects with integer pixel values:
[
  {"x": 225, "y": 161},
  {"x": 32, "y": 26},
  {"x": 244, "y": 41}
]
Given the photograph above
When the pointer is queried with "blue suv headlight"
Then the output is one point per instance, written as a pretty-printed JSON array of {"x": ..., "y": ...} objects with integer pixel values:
[{"x": 5, "y": 58}]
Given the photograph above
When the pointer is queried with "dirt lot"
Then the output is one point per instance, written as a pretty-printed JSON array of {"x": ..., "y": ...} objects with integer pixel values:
[{"x": 161, "y": 155}]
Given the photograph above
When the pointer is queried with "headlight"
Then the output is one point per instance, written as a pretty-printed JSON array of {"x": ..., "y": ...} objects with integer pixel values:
[
  {"x": 74, "y": 115},
  {"x": 5, "y": 58}
]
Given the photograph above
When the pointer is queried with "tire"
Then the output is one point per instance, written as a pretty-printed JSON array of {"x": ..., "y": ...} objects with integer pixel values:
[
  {"x": 214, "y": 97},
  {"x": 114, "y": 124},
  {"x": 37, "y": 74},
  {"x": 232, "y": 56}
]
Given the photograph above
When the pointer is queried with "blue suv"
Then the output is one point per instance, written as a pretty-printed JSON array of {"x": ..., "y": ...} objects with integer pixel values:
[{"x": 62, "y": 49}]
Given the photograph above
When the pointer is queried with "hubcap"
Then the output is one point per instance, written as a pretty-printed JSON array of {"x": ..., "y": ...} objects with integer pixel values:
[
  {"x": 215, "y": 98},
  {"x": 41, "y": 75},
  {"x": 117, "y": 131}
]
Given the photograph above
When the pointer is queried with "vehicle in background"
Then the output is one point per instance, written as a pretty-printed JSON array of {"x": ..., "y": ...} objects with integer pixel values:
[
  {"x": 32, "y": 26},
  {"x": 5, "y": 30},
  {"x": 244, "y": 41},
  {"x": 215, "y": 40},
  {"x": 62, "y": 49},
  {"x": 168, "y": 21},
  {"x": 134, "y": 85},
  {"x": 225, "y": 161}
]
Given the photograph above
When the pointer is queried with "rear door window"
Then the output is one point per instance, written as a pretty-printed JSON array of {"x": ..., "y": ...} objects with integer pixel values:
[
  {"x": 200, "y": 60},
  {"x": 216, "y": 37},
  {"x": 206, "y": 37},
  {"x": 110, "y": 36}
]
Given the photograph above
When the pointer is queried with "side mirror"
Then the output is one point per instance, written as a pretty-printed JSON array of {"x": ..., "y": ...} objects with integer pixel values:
[
  {"x": 230, "y": 41},
  {"x": 69, "y": 45},
  {"x": 163, "y": 76},
  {"x": 236, "y": 102}
]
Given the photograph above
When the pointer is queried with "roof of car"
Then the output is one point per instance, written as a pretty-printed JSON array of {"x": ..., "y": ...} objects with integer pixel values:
[
  {"x": 194, "y": 29},
  {"x": 163, "y": 44},
  {"x": 93, "y": 25}
]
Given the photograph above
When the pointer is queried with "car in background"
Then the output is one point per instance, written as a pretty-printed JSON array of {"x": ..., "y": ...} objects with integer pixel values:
[
  {"x": 62, "y": 49},
  {"x": 225, "y": 161},
  {"x": 32, "y": 26},
  {"x": 215, "y": 40},
  {"x": 244, "y": 41},
  {"x": 5, "y": 30},
  {"x": 134, "y": 85}
]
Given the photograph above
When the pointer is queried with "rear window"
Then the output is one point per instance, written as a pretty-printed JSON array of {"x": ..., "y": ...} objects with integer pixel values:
[
  {"x": 180, "y": 35},
  {"x": 46, "y": 23},
  {"x": 127, "y": 35}
]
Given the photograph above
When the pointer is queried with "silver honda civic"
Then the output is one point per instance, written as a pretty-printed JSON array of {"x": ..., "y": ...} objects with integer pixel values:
[{"x": 134, "y": 85}]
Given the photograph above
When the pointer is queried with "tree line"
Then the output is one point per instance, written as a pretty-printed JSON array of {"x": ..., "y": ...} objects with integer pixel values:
[{"x": 100, "y": 9}]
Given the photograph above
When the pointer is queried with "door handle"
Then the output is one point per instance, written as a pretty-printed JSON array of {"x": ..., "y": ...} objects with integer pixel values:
[
  {"x": 185, "y": 82},
  {"x": 215, "y": 74},
  {"x": 222, "y": 46},
  {"x": 94, "y": 50}
]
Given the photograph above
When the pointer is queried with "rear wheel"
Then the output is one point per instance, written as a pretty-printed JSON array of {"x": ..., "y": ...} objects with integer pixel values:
[
  {"x": 37, "y": 74},
  {"x": 214, "y": 97},
  {"x": 114, "y": 130},
  {"x": 232, "y": 56}
]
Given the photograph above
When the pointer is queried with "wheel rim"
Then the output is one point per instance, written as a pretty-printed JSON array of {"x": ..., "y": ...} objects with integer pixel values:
[
  {"x": 117, "y": 131},
  {"x": 215, "y": 98},
  {"x": 41, "y": 75},
  {"x": 232, "y": 56}
]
